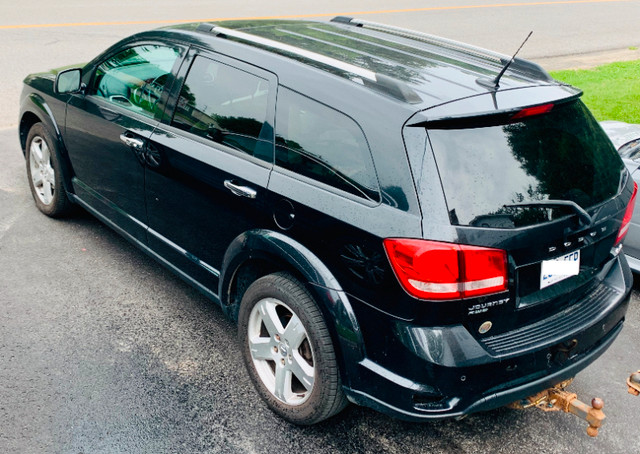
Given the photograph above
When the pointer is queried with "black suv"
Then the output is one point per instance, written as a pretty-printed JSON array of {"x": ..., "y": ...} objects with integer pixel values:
[{"x": 389, "y": 222}]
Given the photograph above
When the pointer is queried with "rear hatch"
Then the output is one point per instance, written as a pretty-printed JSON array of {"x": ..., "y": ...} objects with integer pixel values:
[{"x": 543, "y": 183}]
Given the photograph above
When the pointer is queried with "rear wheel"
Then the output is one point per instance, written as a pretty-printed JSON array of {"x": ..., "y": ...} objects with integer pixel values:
[
  {"x": 45, "y": 172},
  {"x": 288, "y": 351}
]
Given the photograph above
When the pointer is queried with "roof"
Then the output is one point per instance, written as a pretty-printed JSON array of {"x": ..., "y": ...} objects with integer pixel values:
[{"x": 412, "y": 67}]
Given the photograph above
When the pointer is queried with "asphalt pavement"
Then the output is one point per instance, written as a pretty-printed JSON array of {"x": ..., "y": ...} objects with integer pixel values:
[{"x": 104, "y": 351}]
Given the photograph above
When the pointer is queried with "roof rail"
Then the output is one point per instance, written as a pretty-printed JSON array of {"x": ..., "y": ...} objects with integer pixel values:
[
  {"x": 419, "y": 36},
  {"x": 377, "y": 81},
  {"x": 364, "y": 73},
  {"x": 519, "y": 64}
]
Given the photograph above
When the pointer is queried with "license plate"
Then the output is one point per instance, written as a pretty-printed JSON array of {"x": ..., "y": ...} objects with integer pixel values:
[{"x": 559, "y": 269}]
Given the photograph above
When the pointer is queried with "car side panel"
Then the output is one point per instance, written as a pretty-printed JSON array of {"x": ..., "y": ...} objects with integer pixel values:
[
  {"x": 108, "y": 174},
  {"x": 48, "y": 109},
  {"x": 192, "y": 215},
  {"x": 36, "y": 104}
]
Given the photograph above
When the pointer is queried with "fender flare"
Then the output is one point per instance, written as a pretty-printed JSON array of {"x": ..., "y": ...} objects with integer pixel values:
[
  {"x": 37, "y": 105},
  {"x": 324, "y": 287},
  {"x": 41, "y": 109}
]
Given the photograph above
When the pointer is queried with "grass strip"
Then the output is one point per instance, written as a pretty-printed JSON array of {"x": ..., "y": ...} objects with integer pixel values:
[{"x": 612, "y": 91}]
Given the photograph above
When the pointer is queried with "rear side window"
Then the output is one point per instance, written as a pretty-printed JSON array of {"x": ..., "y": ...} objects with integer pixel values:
[
  {"x": 562, "y": 155},
  {"x": 226, "y": 105},
  {"x": 321, "y": 143}
]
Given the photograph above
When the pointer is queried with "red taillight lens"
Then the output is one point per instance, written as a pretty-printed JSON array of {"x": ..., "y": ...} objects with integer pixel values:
[
  {"x": 624, "y": 227},
  {"x": 531, "y": 111},
  {"x": 440, "y": 271},
  {"x": 485, "y": 270}
]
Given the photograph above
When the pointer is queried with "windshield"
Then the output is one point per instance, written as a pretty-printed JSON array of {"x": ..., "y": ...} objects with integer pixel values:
[{"x": 562, "y": 155}]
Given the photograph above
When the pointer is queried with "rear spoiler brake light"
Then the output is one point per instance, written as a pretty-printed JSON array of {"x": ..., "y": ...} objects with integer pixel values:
[{"x": 491, "y": 118}]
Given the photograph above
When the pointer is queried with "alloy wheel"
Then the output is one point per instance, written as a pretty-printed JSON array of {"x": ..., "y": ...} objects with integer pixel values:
[
  {"x": 42, "y": 173},
  {"x": 281, "y": 351}
]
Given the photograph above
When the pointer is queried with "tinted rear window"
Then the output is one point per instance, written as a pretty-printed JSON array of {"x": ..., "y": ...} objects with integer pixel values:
[{"x": 562, "y": 155}]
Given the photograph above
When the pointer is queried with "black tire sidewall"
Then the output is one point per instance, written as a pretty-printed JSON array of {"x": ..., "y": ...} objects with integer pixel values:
[
  {"x": 320, "y": 403},
  {"x": 59, "y": 204}
]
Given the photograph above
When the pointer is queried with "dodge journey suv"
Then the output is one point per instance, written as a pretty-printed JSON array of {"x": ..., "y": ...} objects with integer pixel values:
[{"x": 393, "y": 219}]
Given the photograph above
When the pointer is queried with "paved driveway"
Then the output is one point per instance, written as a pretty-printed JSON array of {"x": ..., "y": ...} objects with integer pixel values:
[{"x": 104, "y": 351}]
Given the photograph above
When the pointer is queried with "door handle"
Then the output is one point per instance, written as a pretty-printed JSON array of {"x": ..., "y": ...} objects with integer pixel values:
[
  {"x": 242, "y": 191},
  {"x": 133, "y": 142}
]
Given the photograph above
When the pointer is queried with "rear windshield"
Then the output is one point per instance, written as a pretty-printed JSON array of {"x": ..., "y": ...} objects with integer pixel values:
[{"x": 561, "y": 155}]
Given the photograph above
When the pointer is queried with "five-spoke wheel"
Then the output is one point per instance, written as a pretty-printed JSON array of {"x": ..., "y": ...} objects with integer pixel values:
[
  {"x": 43, "y": 177},
  {"x": 45, "y": 173},
  {"x": 281, "y": 351},
  {"x": 288, "y": 350}
]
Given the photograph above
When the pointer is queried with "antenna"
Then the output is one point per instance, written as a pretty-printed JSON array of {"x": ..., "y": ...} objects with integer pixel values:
[{"x": 495, "y": 83}]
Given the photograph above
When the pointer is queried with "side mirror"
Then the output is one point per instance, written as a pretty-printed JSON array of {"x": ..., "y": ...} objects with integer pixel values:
[{"x": 68, "y": 81}]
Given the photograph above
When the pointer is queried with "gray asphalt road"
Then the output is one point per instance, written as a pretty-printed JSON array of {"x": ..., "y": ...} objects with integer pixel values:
[{"x": 103, "y": 351}]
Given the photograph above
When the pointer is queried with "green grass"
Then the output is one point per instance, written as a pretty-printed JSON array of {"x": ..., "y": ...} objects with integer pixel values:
[{"x": 612, "y": 92}]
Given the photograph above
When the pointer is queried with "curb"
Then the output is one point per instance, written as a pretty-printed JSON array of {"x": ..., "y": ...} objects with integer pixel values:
[{"x": 587, "y": 61}]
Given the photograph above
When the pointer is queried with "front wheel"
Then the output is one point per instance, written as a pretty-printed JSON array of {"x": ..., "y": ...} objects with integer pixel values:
[
  {"x": 44, "y": 171},
  {"x": 288, "y": 352}
]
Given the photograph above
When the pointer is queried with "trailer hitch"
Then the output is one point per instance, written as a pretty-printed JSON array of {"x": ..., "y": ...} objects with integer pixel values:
[
  {"x": 558, "y": 399},
  {"x": 634, "y": 383}
]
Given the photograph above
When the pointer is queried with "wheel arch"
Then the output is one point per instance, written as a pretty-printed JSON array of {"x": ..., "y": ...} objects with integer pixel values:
[
  {"x": 35, "y": 110},
  {"x": 256, "y": 253}
]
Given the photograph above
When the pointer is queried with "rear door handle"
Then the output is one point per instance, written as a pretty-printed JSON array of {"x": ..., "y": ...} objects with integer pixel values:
[
  {"x": 130, "y": 140},
  {"x": 242, "y": 191}
]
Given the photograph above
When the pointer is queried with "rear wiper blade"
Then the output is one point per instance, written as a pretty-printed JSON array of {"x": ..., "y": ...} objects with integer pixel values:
[{"x": 581, "y": 212}]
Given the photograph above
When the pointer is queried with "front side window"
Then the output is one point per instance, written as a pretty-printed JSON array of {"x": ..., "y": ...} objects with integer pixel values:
[
  {"x": 321, "y": 143},
  {"x": 226, "y": 105},
  {"x": 135, "y": 78}
]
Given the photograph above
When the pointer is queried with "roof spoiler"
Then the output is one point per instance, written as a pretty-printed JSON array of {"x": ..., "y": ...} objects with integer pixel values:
[{"x": 499, "y": 117}]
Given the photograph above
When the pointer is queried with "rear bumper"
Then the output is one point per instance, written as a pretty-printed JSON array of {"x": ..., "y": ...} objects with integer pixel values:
[
  {"x": 476, "y": 379},
  {"x": 456, "y": 406}
]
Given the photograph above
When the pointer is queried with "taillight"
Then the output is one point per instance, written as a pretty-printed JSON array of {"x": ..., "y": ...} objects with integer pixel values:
[
  {"x": 440, "y": 271},
  {"x": 531, "y": 111},
  {"x": 628, "y": 213}
]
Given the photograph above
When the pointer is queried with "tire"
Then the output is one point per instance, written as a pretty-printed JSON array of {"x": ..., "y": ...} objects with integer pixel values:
[
  {"x": 44, "y": 172},
  {"x": 288, "y": 352}
]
